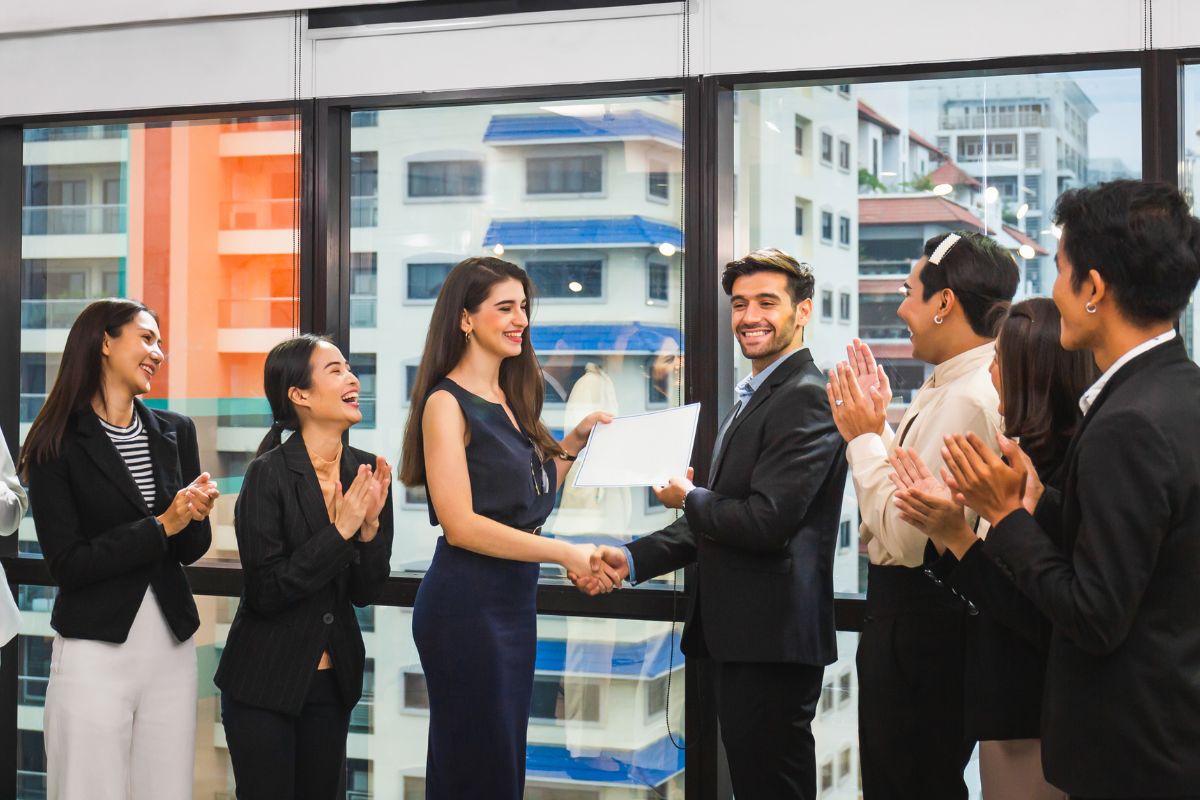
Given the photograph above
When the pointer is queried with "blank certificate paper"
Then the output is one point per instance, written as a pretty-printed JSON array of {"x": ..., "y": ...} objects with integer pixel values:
[{"x": 640, "y": 450}]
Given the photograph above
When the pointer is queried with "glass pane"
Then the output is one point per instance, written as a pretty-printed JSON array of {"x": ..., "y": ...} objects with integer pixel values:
[
  {"x": 1189, "y": 177},
  {"x": 196, "y": 220},
  {"x": 586, "y": 197},
  {"x": 988, "y": 154}
]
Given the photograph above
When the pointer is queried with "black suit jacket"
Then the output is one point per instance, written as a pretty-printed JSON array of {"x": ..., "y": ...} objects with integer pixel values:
[
  {"x": 764, "y": 534},
  {"x": 1121, "y": 715},
  {"x": 301, "y": 579},
  {"x": 102, "y": 544}
]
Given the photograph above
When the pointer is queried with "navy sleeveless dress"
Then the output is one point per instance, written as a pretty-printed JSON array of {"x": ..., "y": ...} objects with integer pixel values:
[{"x": 475, "y": 620}]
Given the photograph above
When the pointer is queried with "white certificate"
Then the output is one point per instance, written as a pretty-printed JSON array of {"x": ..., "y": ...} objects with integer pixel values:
[{"x": 640, "y": 450}]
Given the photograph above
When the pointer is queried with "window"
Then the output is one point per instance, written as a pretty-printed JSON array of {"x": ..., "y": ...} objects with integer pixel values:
[
  {"x": 363, "y": 366},
  {"x": 425, "y": 279},
  {"x": 658, "y": 181},
  {"x": 564, "y": 279},
  {"x": 826, "y": 304},
  {"x": 1002, "y": 148},
  {"x": 364, "y": 119},
  {"x": 801, "y": 134},
  {"x": 826, "y": 147},
  {"x": 564, "y": 175},
  {"x": 844, "y": 534},
  {"x": 364, "y": 190},
  {"x": 658, "y": 281},
  {"x": 461, "y": 178},
  {"x": 363, "y": 289},
  {"x": 844, "y": 306},
  {"x": 33, "y": 655},
  {"x": 844, "y": 89},
  {"x": 560, "y": 698},
  {"x": 826, "y": 226},
  {"x": 1033, "y": 148},
  {"x": 843, "y": 155},
  {"x": 656, "y": 696},
  {"x": 1033, "y": 191},
  {"x": 845, "y": 764},
  {"x": 799, "y": 219},
  {"x": 844, "y": 231},
  {"x": 362, "y": 715},
  {"x": 358, "y": 779},
  {"x": 844, "y": 696},
  {"x": 826, "y": 776},
  {"x": 416, "y": 694}
]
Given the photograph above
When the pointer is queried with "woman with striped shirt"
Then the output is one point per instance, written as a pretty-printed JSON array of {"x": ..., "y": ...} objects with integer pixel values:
[{"x": 120, "y": 506}]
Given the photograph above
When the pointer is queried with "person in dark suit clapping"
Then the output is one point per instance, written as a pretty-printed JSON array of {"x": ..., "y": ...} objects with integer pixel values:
[
  {"x": 1122, "y": 703},
  {"x": 314, "y": 530}
]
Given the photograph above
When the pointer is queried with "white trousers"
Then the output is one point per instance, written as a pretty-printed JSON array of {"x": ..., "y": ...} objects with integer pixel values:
[
  {"x": 1012, "y": 770},
  {"x": 120, "y": 719}
]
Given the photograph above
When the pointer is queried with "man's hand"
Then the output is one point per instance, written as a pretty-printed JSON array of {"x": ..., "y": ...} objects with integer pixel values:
[
  {"x": 980, "y": 480},
  {"x": 673, "y": 493},
  {"x": 856, "y": 412},
  {"x": 604, "y": 559},
  {"x": 868, "y": 373}
]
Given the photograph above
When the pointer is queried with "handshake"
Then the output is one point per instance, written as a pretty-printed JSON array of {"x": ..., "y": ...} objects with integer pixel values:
[{"x": 600, "y": 570}]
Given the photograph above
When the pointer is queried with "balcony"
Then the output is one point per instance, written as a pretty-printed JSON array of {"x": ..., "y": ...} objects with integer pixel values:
[
  {"x": 259, "y": 215},
  {"x": 364, "y": 212},
  {"x": 1013, "y": 119},
  {"x": 256, "y": 312},
  {"x": 42, "y": 314},
  {"x": 73, "y": 220}
]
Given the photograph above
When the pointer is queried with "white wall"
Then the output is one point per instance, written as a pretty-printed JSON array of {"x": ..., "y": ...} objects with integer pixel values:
[{"x": 250, "y": 58}]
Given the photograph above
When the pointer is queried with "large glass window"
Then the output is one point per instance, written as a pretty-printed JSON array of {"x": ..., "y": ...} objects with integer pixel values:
[
  {"x": 1189, "y": 176},
  {"x": 196, "y": 219},
  {"x": 445, "y": 178}
]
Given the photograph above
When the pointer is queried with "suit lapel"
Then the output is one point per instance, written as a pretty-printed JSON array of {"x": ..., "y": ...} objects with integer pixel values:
[
  {"x": 784, "y": 371},
  {"x": 308, "y": 491},
  {"x": 164, "y": 456},
  {"x": 95, "y": 442}
]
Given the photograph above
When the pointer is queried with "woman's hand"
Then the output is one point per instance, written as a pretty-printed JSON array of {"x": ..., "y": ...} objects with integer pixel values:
[
  {"x": 382, "y": 478},
  {"x": 981, "y": 480},
  {"x": 350, "y": 509},
  {"x": 577, "y": 439},
  {"x": 577, "y": 560},
  {"x": 192, "y": 503},
  {"x": 856, "y": 411}
]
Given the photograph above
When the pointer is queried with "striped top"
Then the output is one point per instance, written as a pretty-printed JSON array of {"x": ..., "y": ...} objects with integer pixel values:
[{"x": 133, "y": 443}]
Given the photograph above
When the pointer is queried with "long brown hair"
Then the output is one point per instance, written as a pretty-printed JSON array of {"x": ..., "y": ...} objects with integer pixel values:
[
  {"x": 79, "y": 376},
  {"x": 465, "y": 289},
  {"x": 1041, "y": 382}
]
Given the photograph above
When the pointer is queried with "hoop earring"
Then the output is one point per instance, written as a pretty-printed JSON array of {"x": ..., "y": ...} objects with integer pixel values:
[
  {"x": 1090, "y": 307},
  {"x": 467, "y": 336},
  {"x": 937, "y": 319}
]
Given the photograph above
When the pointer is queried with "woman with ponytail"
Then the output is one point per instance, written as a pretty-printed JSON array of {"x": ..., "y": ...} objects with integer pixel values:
[
  {"x": 120, "y": 505},
  {"x": 475, "y": 440},
  {"x": 314, "y": 531}
]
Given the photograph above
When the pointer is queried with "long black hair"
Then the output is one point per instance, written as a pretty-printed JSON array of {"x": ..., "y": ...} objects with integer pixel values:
[
  {"x": 79, "y": 375},
  {"x": 288, "y": 364}
]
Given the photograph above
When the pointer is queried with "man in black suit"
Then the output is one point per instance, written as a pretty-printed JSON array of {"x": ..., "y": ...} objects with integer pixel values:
[
  {"x": 1121, "y": 715},
  {"x": 763, "y": 536}
]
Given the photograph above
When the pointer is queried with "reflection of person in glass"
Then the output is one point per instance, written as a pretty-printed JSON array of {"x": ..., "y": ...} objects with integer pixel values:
[
  {"x": 314, "y": 532},
  {"x": 13, "y": 502},
  {"x": 116, "y": 523},
  {"x": 664, "y": 370},
  {"x": 763, "y": 537},
  {"x": 491, "y": 469}
]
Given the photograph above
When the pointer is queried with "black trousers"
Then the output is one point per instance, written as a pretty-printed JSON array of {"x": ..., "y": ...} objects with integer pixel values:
[
  {"x": 910, "y": 678},
  {"x": 766, "y": 713},
  {"x": 280, "y": 757}
]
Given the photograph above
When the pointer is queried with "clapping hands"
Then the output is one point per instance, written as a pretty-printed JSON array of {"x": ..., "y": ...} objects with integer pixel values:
[
  {"x": 859, "y": 393},
  {"x": 928, "y": 504},
  {"x": 357, "y": 511},
  {"x": 981, "y": 480},
  {"x": 192, "y": 503}
]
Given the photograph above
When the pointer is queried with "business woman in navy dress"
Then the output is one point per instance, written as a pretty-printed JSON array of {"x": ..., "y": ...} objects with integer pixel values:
[{"x": 491, "y": 469}]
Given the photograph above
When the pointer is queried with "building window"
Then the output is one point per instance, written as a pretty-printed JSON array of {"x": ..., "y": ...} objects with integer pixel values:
[
  {"x": 33, "y": 656},
  {"x": 363, "y": 366},
  {"x": 844, "y": 89},
  {"x": 416, "y": 496},
  {"x": 1002, "y": 147},
  {"x": 844, "y": 535},
  {"x": 826, "y": 777},
  {"x": 425, "y": 279},
  {"x": 363, "y": 289},
  {"x": 549, "y": 698},
  {"x": 1033, "y": 190},
  {"x": 656, "y": 696},
  {"x": 567, "y": 279},
  {"x": 801, "y": 134},
  {"x": 362, "y": 713},
  {"x": 844, "y": 231},
  {"x": 799, "y": 219},
  {"x": 826, "y": 304},
  {"x": 845, "y": 764},
  {"x": 843, "y": 690},
  {"x": 1033, "y": 148},
  {"x": 658, "y": 281},
  {"x": 364, "y": 190},
  {"x": 461, "y": 178},
  {"x": 658, "y": 181},
  {"x": 827, "y": 226},
  {"x": 826, "y": 148},
  {"x": 844, "y": 306},
  {"x": 364, "y": 119},
  {"x": 358, "y": 779},
  {"x": 416, "y": 693},
  {"x": 827, "y": 698},
  {"x": 843, "y": 155},
  {"x": 564, "y": 175}
]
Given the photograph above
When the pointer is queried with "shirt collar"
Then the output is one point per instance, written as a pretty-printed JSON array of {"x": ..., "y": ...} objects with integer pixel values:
[
  {"x": 748, "y": 385},
  {"x": 964, "y": 363},
  {"x": 1089, "y": 397}
]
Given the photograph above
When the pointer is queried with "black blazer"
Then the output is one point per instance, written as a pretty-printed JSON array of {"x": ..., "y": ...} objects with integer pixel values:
[
  {"x": 1121, "y": 716},
  {"x": 102, "y": 544},
  {"x": 764, "y": 535},
  {"x": 301, "y": 578}
]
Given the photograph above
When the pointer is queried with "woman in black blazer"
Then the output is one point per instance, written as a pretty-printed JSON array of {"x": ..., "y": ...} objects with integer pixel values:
[
  {"x": 117, "y": 518},
  {"x": 314, "y": 530},
  {"x": 1039, "y": 384}
]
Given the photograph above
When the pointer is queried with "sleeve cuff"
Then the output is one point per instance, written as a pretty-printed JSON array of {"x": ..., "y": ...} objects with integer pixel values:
[
  {"x": 867, "y": 446},
  {"x": 632, "y": 577}
]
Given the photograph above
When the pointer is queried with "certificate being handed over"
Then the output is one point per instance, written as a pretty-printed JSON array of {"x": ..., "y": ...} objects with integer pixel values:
[{"x": 640, "y": 450}]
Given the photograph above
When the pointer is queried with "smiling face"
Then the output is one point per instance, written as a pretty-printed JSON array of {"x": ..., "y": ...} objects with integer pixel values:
[
  {"x": 1078, "y": 327},
  {"x": 133, "y": 356},
  {"x": 499, "y": 324},
  {"x": 918, "y": 314},
  {"x": 332, "y": 396},
  {"x": 764, "y": 318}
]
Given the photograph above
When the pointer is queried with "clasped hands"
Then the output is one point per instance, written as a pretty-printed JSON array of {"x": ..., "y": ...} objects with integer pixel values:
[
  {"x": 357, "y": 511},
  {"x": 192, "y": 503},
  {"x": 859, "y": 393}
]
